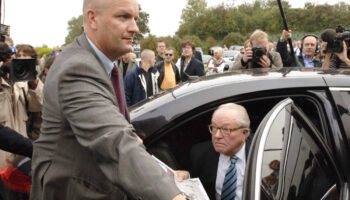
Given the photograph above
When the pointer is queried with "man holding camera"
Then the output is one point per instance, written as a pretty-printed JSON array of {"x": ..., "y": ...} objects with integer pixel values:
[
  {"x": 258, "y": 56},
  {"x": 16, "y": 99},
  {"x": 335, "y": 60},
  {"x": 335, "y": 48}
]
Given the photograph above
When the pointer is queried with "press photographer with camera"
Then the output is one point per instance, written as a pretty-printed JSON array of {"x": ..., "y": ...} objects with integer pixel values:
[
  {"x": 308, "y": 49},
  {"x": 20, "y": 91},
  {"x": 336, "y": 48},
  {"x": 258, "y": 56}
]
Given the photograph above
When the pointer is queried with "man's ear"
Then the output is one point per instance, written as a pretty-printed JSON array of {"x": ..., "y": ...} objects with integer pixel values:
[
  {"x": 246, "y": 132},
  {"x": 91, "y": 16}
]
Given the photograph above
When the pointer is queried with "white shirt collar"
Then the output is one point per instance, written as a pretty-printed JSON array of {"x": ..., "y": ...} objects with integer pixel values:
[{"x": 107, "y": 63}]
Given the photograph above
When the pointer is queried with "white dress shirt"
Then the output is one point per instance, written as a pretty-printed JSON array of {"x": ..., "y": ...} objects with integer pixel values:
[{"x": 224, "y": 163}]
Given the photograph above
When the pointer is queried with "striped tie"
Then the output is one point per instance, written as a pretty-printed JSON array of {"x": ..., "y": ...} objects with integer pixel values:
[{"x": 230, "y": 182}]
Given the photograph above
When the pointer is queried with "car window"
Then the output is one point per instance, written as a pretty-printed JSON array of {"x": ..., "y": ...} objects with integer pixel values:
[
  {"x": 291, "y": 166},
  {"x": 342, "y": 99}
]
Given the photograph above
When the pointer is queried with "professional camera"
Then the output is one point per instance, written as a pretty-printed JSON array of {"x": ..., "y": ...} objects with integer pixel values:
[
  {"x": 19, "y": 69},
  {"x": 258, "y": 52},
  {"x": 335, "y": 39}
]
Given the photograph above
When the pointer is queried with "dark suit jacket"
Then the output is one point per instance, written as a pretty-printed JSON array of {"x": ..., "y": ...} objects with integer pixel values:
[
  {"x": 13, "y": 142},
  {"x": 194, "y": 68},
  {"x": 160, "y": 68},
  {"x": 204, "y": 165},
  {"x": 87, "y": 149}
]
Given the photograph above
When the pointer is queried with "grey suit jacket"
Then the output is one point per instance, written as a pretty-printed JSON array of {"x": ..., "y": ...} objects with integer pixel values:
[{"x": 87, "y": 149}]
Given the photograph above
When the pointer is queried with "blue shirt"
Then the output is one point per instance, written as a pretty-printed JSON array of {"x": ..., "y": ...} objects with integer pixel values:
[
  {"x": 308, "y": 63},
  {"x": 107, "y": 63}
]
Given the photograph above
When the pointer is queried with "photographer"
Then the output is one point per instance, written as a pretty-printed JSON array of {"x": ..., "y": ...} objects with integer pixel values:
[
  {"x": 331, "y": 60},
  {"x": 307, "y": 58},
  {"x": 335, "y": 47},
  {"x": 258, "y": 55},
  {"x": 16, "y": 98}
]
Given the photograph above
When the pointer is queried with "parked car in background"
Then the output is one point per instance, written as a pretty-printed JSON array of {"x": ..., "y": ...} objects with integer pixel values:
[
  {"x": 300, "y": 128},
  {"x": 199, "y": 49},
  {"x": 229, "y": 56},
  {"x": 206, "y": 59},
  {"x": 236, "y": 47}
]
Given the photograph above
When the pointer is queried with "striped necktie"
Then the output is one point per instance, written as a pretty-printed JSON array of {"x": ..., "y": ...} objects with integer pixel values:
[{"x": 230, "y": 182}]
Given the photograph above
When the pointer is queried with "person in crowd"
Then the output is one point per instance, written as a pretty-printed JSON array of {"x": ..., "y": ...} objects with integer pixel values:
[
  {"x": 42, "y": 63},
  {"x": 188, "y": 64},
  {"x": 18, "y": 98},
  {"x": 225, "y": 155},
  {"x": 47, "y": 66},
  {"x": 258, "y": 55},
  {"x": 136, "y": 49},
  {"x": 34, "y": 118},
  {"x": 161, "y": 46},
  {"x": 142, "y": 82},
  {"x": 87, "y": 148},
  {"x": 55, "y": 51},
  {"x": 225, "y": 48},
  {"x": 335, "y": 60},
  {"x": 198, "y": 55},
  {"x": 127, "y": 63},
  {"x": 169, "y": 75},
  {"x": 217, "y": 63},
  {"x": 308, "y": 49}
]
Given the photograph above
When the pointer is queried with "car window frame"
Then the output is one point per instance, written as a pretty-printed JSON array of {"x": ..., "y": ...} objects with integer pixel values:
[{"x": 254, "y": 163}]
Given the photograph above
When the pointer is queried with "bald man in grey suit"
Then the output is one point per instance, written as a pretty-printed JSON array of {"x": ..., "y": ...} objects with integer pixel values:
[{"x": 88, "y": 149}]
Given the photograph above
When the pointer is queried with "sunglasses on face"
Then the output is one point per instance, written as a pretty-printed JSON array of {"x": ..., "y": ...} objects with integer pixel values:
[{"x": 168, "y": 54}]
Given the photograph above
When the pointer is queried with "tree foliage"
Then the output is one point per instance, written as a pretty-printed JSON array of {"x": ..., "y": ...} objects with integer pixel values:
[
  {"x": 221, "y": 20},
  {"x": 75, "y": 26}
]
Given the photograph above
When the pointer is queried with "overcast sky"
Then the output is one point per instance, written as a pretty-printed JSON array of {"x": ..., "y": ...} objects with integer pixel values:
[{"x": 39, "y": 22}]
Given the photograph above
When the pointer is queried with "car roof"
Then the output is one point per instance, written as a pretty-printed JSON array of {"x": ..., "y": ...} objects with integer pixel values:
[{"x": 210, "y": 88}]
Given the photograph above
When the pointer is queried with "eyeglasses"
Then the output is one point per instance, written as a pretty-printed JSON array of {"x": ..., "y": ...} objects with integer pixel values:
[
  {"x": 225, "y": 131},
  {"x": 168, "y": 54}
]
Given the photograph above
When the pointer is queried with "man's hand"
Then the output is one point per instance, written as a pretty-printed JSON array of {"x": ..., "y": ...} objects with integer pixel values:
[
  {"x": 343, "y": 56},
  {"x": 140, "y": 140},
  {"x": 247, "y": 55},
  {"x": 33, "y": 84},
  {"x": 265, "y": 62},
  {"x": 179, "y": 197},
  {"x": 286, "y": 35},
  {"x": 182, "y": 175}
]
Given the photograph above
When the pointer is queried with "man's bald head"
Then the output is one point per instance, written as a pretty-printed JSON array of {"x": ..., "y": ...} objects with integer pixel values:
[{"x": 96, "y": 5}]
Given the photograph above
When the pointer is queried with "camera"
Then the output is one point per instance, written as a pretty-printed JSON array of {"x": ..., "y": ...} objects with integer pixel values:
[
  {"x": 335, "y": 39},
  {"x": 258, "y": 52},
  {"x": 23, "y": 69}
]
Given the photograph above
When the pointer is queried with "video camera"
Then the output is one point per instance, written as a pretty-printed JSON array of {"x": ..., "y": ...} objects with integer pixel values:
[
  {"x": 23, "y": 69},
  {"x": 335, "y": 39}
]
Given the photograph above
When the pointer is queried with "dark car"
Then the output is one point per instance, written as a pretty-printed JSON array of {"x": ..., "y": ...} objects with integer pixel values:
[{"x": 300, "y": 128}]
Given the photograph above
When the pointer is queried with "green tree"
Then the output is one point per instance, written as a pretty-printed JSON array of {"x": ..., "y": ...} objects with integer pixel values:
[
  {"x": 43, "y": 50},
  {"x": 195, "y": 39},
  {"x": 74, "y": 29},
  {"x": 142, "y": 23},
  {"x": 193, "y": 9},
  {"x": 233, "y": 38},
  {"x": 149, "y": 42},
  {"x": 190, "y": 13}
]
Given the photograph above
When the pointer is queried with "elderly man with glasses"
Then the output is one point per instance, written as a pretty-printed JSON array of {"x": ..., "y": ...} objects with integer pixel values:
[
  {"x": 220, "y": 163},
  {"x": 169, "y": 74}
]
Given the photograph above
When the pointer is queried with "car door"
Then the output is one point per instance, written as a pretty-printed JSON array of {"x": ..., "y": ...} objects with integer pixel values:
[{"x": 289, "y": 160}]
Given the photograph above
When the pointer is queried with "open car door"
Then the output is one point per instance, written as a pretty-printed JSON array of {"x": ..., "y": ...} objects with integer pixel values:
[{"x": 288, "y": 159}]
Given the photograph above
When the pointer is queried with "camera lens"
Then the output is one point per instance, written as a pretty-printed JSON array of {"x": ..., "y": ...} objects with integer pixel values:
[
  {"x": 20, "y": 70},
  {"x": 259, "y": 53}
]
